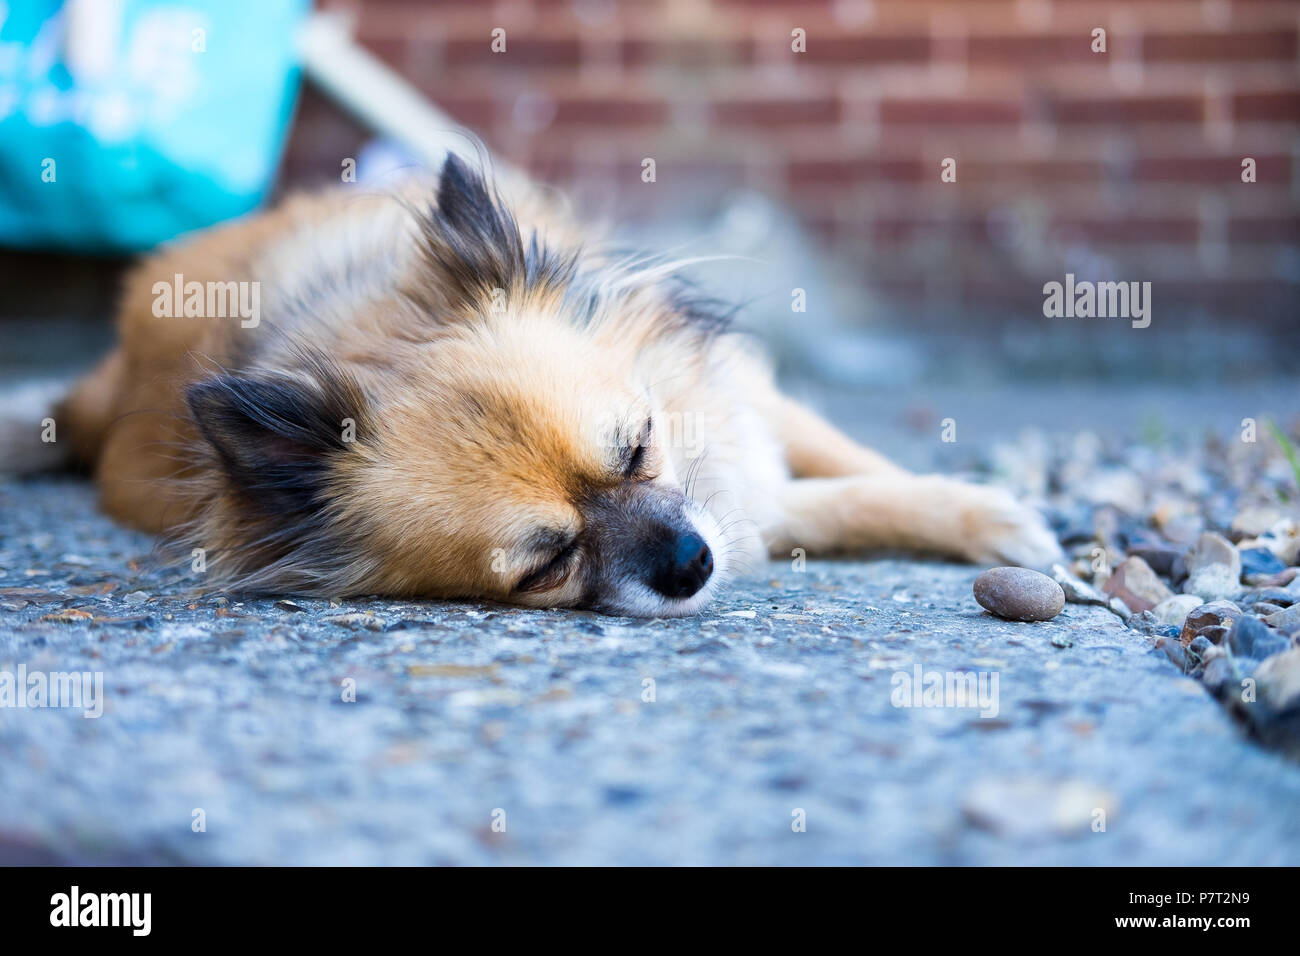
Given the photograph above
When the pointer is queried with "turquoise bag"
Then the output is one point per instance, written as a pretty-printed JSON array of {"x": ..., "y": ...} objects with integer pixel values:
[{"x": 124, "y": 123}]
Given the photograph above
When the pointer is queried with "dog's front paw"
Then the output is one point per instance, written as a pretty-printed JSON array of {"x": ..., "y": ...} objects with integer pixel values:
[{"x": 997, "y": 529}]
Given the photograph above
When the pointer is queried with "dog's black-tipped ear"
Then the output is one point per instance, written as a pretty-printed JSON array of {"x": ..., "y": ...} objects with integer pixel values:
[
  {"x": 471, "y": 240},
  {"x": 276, "y": 436},
  {"x": 466, "y": 205}
]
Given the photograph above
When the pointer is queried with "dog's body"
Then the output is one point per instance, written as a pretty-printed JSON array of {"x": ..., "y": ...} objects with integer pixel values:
[{"x": 451, "y": 395}]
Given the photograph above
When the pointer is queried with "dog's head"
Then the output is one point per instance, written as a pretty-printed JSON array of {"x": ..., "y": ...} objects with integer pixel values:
[{"x": 508, "y": 445}]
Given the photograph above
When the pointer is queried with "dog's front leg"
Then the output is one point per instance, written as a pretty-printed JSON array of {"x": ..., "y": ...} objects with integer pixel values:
[{"x": 926, "y": 513}]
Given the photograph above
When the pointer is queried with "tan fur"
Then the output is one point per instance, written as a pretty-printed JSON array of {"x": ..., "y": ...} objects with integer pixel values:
[{"x": 485, "y": 418}]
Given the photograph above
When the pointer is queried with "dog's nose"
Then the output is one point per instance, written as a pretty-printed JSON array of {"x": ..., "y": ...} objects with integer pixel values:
[{"x": 689, "y": 564}]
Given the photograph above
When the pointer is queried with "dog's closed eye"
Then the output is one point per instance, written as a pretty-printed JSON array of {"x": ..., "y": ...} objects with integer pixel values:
[
  {"x": 635, "y": 461},
  {"x": 552, "y": 574},
  {"x": 637, "y": 455}
]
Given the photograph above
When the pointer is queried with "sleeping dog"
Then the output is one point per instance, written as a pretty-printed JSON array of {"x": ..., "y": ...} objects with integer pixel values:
[{"x": 450, "y": 390}]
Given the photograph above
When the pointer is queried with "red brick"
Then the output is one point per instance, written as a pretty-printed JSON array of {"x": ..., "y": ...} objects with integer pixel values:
[
  {"x": 1209, "y": 169},
  {"x": 1125, "y": 231},
  {"x": 1215, "y": 47},
  {"x": 616, "y": 110},
  {"x": 1262, "y": 229},
  {"x": 863, "y": 50},
  {"x": 641, "y": 51},
  {"x": 1030, "y": 172},
  {"x": 846, "y": 172},
  {"x": 1032, "y": 48},
  {"x": 523, "y": 50},
  {"x": 950, "y": 112},
  {"x": 1130, "y": 109},
  {"x": 1278, "y": 105},
  {"x": 775, "y": 111}
]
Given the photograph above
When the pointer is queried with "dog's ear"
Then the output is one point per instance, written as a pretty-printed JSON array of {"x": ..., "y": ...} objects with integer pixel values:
[
  {"x": 276, "y": 436},
  {"x": 470, "y": 239},
  {"x": 472, "y": 244}
]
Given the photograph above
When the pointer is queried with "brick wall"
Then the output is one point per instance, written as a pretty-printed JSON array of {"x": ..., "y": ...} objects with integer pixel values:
[{"x": 1118, "y": 165}]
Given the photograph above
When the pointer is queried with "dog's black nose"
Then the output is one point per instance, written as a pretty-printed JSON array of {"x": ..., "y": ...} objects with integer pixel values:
[{"x": 684, "y": 568}]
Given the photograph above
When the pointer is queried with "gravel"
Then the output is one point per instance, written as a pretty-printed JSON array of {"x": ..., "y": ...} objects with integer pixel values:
[{"x": 790, "y": 724}]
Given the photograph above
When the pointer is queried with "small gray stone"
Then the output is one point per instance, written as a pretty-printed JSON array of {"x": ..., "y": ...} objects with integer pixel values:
[
  {"x": 1174, "y": 651},
  {"x": 1216, "y": 634},
  {"x": 1076, "y": 591},
  {"x": 1213, "y": 583},
  {"x": 1160, "y": 560},
  {"x": 1251, "y": 638},
  {"x": 1279, "y": 596},
  {"x": 1174, "y": 610},
  {"x": 1288, "y": 621},
  {"x": 1279, "y": 680},
  {"x": 1137, "y": 585},
  {"x": 1253, "y": 522},
  {"x": 1019, "y": 594},
  {"x": 1213, "y": 549},
  {"x": 1218, "y": 671},
  {"x": 1148, "y": 624}
]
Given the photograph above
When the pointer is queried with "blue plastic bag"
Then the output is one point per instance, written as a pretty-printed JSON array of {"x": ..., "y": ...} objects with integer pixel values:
[{"x": 126, "y": 122}]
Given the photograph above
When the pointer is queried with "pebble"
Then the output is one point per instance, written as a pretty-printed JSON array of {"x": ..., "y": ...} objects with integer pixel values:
[
  {"x": 1260, "y": 561},
  {"x": 1280, "y": 597},
  {"x": 1137, "y": 585},
  {"x": 1076, "y": 591},
  {"x": 1118, "y": 487},
  {"x": 1252, "y": 522},
  {"x": 1174, "y": 651},
  {"x": 1216, "y": 633},
  {"x": 1211, "y": 549},
  {"x": 1174, "y": 610},
  {"x": 1279, "y": 681},
  {"x": 1279, "y": 580},
  {"x": 1208, "y": 615},
  {"x": 1147, "y": 623},
  {"x": 1213, "y": 567},
  {"x": 1251, "y": 638},
  {"x": 1213, "y": 583},
  {"x": 1218, "y": 671},
  {"x": 1288, "y": 621},
  {"x": 1019, "y": 594},
  {"x": 1161, "y": 560}
]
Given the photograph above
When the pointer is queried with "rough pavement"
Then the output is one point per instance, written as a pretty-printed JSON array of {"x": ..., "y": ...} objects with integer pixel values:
[{"x": 777, "y": 700}]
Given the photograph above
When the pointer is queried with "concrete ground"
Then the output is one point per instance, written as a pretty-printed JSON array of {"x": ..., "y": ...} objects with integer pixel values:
[{"x": 481, "y": 734}]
